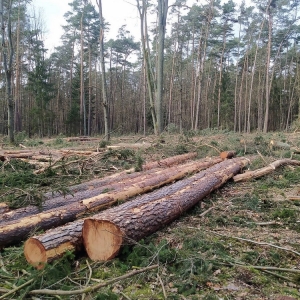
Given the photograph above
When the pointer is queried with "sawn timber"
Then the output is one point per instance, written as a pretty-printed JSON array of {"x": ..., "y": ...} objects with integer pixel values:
[
  {"x": 43, "y": 248},
  {"x": 17, "y": 230},
  {"x": 105, "y": 233}
]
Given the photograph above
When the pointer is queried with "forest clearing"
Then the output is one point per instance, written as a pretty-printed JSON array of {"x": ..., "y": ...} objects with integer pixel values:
[
  {"x": 159, "y": 165},
  {"x": 238, "y": 240}
]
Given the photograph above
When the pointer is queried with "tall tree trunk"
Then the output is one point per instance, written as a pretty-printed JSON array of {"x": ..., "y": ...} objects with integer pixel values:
[
  {"x": 268, "y": 83},
  {"x": 162, "y": 18},
  {"x": 17, "y": 117},
  {"x": 82, "y": 94},
  {"x": 103, "y": 77},
  {"x": 7, "y": 57},
  {"x": 149, "y": 75}
]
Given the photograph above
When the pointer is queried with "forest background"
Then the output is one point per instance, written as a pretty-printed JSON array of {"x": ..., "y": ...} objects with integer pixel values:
[{"x": 227, "y": 66}]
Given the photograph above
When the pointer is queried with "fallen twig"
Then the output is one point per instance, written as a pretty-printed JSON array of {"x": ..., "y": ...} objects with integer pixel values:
[
  {"x": 253, "y": 242},
  {"x": 16, "y": 289},
  {"x": 206, "y": 212},
  {"x": 162, "y": 286},
  {"x": 93, "y": 287}
]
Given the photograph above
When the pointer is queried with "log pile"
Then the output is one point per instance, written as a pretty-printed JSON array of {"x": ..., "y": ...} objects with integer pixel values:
[
  {"x": 104, "y": 234},
  {"x": 46, "y": 247},
  {"x": 43, "y": 248},
  {"x": 19, "y": 227},
  {"x": 163, "y": 190}
]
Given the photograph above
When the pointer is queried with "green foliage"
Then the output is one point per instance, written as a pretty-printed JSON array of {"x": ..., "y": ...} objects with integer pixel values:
[
  {"x": 142, "y": 253},
  {"x": 33, "y": 142},
  {"x": 249, "y": 202},
  {"x": 180, "y": 149},
  {"x": 20, "y": 137},
  {"x": 139, "y": 161},
  {"x": 58, "y": 141},
  {"x": 106, "y": 296},
  {"x": 103, "y": 144},
  {"x": 211, "y": 296},
  {"x": 285, "y": 214}
]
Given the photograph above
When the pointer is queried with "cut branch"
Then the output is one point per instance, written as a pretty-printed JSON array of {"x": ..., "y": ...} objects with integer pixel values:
[
  {"x": 266, "y": 170},
  {"x": 92, "y": 288}
]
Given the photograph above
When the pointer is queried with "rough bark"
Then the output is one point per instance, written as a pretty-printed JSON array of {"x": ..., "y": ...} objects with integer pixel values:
[
  {"x": 265, "y": 170},
  {"x": 105, "y": 233},
  {"x": 17, "y": 230},
  {"x": 91, "y": 189},
  {"x": 4, "y": 208},
  {"x": 105, "y": 100},
  {"x": 39, "y": 250},
  {"x": 167, "y": 162},
  {"x": 48, "y": 246}
]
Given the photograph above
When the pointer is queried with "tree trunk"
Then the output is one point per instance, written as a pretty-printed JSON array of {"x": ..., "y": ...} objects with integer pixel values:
[
  {"x": 7, "y": 57},
  {"x": 268, "y": 60},
  {"x": 15, "y": 231},
  {"x": 91, "y": 189},
  {"x": 162, "y": 18},
  {"x": 149, "y": 75},
  {"x": 82, "y": 93},
  {"x": 103, "y": 77},
  {"x": 53, "y": 243},
  {"x": 105, "y": 233}
]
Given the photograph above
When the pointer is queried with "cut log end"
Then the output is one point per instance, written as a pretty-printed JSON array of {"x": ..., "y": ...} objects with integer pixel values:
[
  {"x": 227, "y": 154},
  {"x": 102, "y": 239},
  {"x": 35, "y": 253}
]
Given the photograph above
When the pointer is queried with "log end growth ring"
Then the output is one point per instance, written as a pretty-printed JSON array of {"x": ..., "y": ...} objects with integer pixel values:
[
  {"x": 102, "y": 239},
  {"x": 35, "y": 253}
]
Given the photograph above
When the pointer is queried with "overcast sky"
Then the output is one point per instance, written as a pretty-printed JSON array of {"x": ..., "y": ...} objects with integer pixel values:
[{"x": 115, "y": 12}]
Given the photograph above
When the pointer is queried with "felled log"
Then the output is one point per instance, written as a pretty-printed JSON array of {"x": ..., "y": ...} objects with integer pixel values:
[
  {"x": 17, "y": 230},
  {"x": 105, "y": 233},
  {"x": 43, "y": 248},
  {"x": 227, "y": 154},
  {"x": 294, "y": 198},
  {"x": 265, "y": 170},
  {"x": 92, "y": 190},
  {"x": 281, "y": 145},
  {"x": 55, "y": 242},
  {"x": 4, "y": 208},
  {"x": 82, "y": 139},
  {"x": 17, "y": 151},
  {"x": 19, "y": 155},
  {"x": 170, "y": 161},
  {"x": 76, "y": 152},
  {"x": 98, "y": 182}
]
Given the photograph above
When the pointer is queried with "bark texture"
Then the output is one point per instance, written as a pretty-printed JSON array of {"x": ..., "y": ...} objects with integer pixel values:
[
  {"x": 90, "y": 189},
  {"x": 17, "y": 230},
  {"x": 104, "y": 233},
  {"x": 99, "y": 182},
  {"x": 170, "y": 161},
  {"x": 265, "y": 170},
  {"x": 94, "y": 188},
  {"x": 50, "y": 245}
]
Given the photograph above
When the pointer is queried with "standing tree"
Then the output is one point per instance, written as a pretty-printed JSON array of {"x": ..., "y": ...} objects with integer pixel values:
[
  {"x": 162, "y": 20},
  {"x": 103, "y": 77},
  {"x": 7, "y": 52}
]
